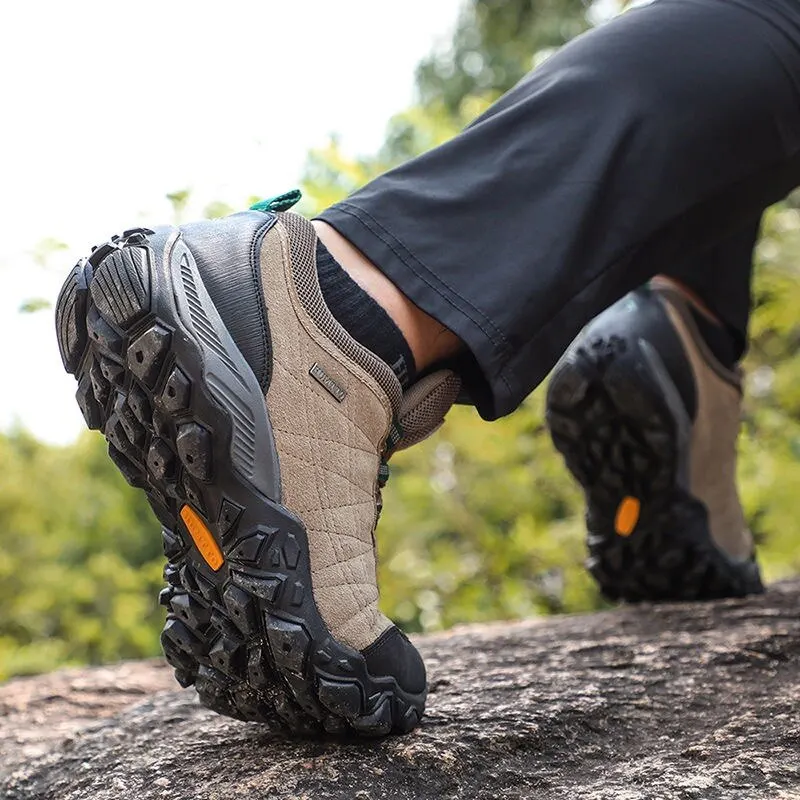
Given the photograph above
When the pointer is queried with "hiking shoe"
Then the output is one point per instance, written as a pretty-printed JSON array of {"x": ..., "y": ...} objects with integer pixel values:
[
  {"x": 647, "y": 421},
  {"x": 258, "y": 429}
]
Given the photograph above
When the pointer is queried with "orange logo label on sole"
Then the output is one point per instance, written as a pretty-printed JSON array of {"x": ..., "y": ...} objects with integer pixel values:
[
  {"x": 627, "y": 516},
  {"x": 203, "y": 538}
]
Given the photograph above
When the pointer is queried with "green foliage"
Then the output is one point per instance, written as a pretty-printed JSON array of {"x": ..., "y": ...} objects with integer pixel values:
[
  {"x": 481, "y": 524},
  {"x": 80, "y": 558},
  {"x": 331, "y": 174},
  {"x": 46, "y": 249},
  {"x": 33, "y": 304},
  {"x": 770, "y": 443},
  {"x": 494, "y": 45},
  {"x": 179, "y": 201},
  {"x": 42, "y": 254},
  {"x": 217, "y": 210}
]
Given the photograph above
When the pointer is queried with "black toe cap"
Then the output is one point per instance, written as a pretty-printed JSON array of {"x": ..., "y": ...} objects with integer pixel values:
[{"x": 392, "y": 654}]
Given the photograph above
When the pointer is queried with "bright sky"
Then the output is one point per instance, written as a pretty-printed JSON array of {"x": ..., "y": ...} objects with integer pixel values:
[{"x": 107, "y": 107}]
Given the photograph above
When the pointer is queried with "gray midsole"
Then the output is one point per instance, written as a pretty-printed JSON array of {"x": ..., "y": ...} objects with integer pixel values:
[{"x": 227, "y": 374}]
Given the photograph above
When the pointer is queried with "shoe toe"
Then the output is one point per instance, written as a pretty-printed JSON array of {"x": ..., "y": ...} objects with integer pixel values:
[{"x": 393, "y": 654}]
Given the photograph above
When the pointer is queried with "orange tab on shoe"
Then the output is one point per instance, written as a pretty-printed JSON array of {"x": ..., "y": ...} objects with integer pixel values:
[
  {"x": 202, "y": 538},
  {"x": 627, "y": 516}
]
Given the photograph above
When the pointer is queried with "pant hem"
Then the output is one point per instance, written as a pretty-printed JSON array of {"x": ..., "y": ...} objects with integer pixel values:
[{"x": 487, "y": 377}]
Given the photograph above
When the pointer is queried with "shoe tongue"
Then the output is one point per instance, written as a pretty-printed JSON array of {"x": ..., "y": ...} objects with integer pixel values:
[{"x": 424, "y": 406}]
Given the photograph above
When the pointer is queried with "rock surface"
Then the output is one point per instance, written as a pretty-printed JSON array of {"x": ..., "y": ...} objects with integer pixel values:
[{"x": 680, "y": 701}]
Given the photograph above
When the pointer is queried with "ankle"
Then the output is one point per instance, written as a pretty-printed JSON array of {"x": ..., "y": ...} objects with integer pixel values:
[{"x": 428, "y": 339}]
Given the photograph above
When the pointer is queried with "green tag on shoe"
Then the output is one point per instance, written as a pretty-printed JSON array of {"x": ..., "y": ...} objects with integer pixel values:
[{"x": 281, "y": 202}]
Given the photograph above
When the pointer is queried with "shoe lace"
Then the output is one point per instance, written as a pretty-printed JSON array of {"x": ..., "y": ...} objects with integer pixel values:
[
  {"x": 392, "y": 440},
  {"x": 280, "y": 202}
]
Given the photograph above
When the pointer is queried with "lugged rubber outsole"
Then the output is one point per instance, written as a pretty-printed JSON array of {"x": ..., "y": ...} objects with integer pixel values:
[
  {"x": 611, "y": 415},
  {"x": 138, "y": 331}
]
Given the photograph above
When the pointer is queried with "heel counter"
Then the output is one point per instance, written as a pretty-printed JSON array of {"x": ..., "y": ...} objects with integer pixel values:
[{"x": 227, "y": 253}]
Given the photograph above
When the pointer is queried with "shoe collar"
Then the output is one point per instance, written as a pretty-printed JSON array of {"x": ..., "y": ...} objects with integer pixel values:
[{"x": 418, "y": 412}]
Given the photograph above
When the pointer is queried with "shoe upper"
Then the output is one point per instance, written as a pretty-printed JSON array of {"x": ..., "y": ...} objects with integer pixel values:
[
  {"x": 337, "y": 412},
  {"x": 715, "y": 429}
]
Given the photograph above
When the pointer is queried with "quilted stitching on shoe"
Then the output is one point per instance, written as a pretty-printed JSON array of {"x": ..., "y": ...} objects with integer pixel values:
[{"x": 328, "y": 452}]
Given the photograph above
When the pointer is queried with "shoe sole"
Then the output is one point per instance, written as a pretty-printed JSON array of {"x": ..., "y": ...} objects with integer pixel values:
[
  {"x": 618, "y": 420},
  {"x": 160, "y": 376}
]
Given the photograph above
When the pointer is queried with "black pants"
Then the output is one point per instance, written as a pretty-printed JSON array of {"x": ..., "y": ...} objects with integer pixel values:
[{"x": 650, "y": 145}]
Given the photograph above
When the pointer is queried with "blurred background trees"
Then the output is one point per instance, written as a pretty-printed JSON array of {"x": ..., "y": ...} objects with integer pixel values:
[{"x": 481, "y": 522}]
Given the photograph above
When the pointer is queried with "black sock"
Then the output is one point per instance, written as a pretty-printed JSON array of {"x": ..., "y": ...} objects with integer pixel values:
[
  {"x": 363, "y": 318},
  {"x": 725, "y": 343}
]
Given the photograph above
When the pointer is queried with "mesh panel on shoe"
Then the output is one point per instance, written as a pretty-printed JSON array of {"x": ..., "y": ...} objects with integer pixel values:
[
  {"x": 302, "y": 248},
  {"x": 424, "y": 406}
]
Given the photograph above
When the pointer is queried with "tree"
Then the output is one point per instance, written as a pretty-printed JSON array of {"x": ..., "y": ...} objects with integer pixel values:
[
  {"x": 80, "y": 562},
  {"x": 495, "y": 43}
]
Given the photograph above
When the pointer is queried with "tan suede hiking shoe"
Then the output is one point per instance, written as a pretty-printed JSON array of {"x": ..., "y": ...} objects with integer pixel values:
[
  {"x": 647, "y": 421},
  {"x": 259, "y": 430}
]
